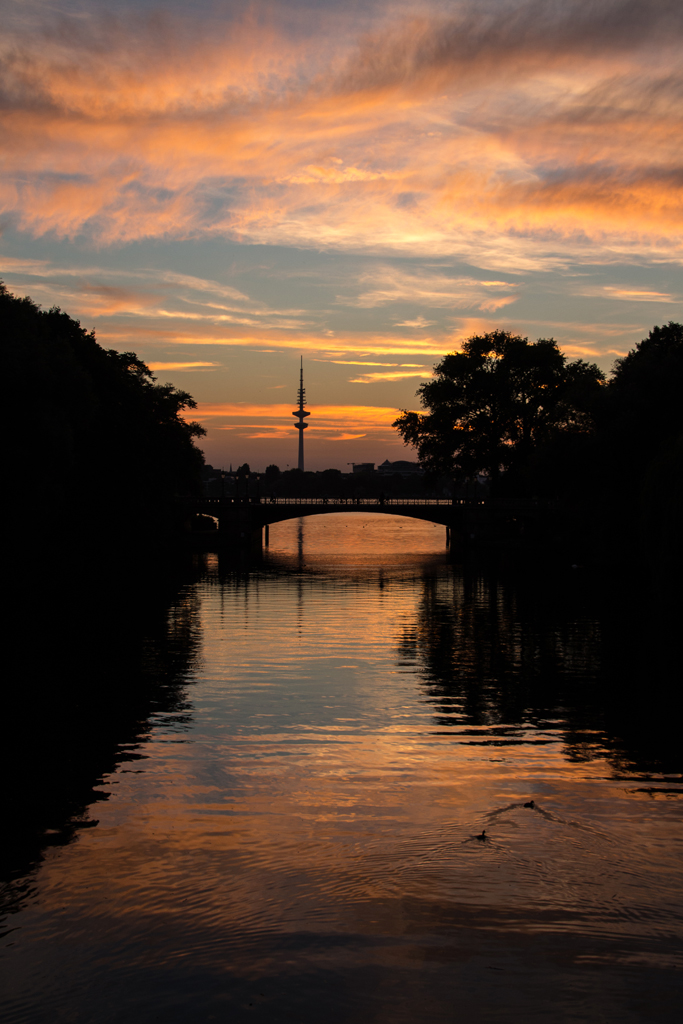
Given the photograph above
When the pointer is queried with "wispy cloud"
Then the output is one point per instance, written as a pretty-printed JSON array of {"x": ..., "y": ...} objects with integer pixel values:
[
  {"x": 419, "y": 322},
  {"x": 390, "y": 284},
  {"x": 378, "y": 378},
  {"x": 182, "y": 366},
  {"x": 148, "y": 293},
  {"x": 518, "y": 135},
  {"x": 364, "y": 362},
  {"x": 199, "y": 284},
  {"x": 628, "y": 293},
  {"x": 345, "y": 343},
  {"x": 332, "y": 422}
]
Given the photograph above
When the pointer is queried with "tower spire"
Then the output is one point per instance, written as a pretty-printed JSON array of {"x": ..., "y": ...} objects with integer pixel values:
[{"x": 301, "y": 414}]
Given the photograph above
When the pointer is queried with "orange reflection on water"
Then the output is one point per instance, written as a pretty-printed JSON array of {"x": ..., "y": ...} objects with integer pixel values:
[{"x": 308, "y": 838}]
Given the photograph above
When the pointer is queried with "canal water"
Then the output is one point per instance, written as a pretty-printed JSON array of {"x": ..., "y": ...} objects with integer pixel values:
[{"x": 369, "y": 785}]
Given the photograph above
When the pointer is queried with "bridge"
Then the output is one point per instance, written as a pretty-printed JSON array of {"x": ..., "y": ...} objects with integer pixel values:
[{"x": 243, "y": 523}]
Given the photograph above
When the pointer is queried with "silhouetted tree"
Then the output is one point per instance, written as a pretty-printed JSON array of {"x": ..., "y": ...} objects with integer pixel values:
[
  {"x": 642, "y": 448},
  {"x": 495, "y": 403},
  {"x": 93, "y": 435},
  {"x": 644, "y": 397}
]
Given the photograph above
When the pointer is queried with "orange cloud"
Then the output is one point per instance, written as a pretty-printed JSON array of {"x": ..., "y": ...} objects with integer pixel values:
[
  {"x": 498, "y": 140},
  {"x": 361, "y": 415},
  {"x": 181, "y": 366},
  {"x": 628, "y": 294},
  {"x": 378, "y": 378},
  {"x": 275, "y": 422},
  {"x": 359, "y": 343},
  {"x": 364, "y": 362}
]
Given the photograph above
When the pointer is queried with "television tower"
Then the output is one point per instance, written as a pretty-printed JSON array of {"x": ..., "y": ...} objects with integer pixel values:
[{"x": 301, "y": 413}]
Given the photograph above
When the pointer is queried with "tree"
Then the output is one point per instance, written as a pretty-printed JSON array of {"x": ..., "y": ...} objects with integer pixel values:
[
  {"x": 92, "y": 433},
  {"x": 644, "y": 394},
  {"x": 496, "y": 402},
  {"x": 641, "y": 434}
]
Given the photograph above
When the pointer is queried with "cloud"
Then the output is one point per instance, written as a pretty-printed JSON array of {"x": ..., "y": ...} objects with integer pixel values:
[
  {"x": 167, "y": 295},
  {"x": 516, "y": 135},
  {"x": 199, "y": 284},
  {"x": 333, "y": 175},
  {"x": 628, "y": 293},
  {"x": 379, "y": 378},
  {"x": 364, "y": 362},
  {"x": 419, "y": 322},
  {"x": 365, "y": 414},
  {"x": 390, "y": 284},
  {"x": 331, "y": 422},
  {"x": 361, "y": 343},
  {"x": 13, "y": 265},
  {"x": 181, "y": 366},
  {"x": 501, "y": 40},
  {"x": 98, "y": 299}
]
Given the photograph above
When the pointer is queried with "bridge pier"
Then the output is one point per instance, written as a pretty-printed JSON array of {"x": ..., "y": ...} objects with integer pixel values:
[
  {"x": 244, "y": 538},
  {"x": 238, "y": 529}
]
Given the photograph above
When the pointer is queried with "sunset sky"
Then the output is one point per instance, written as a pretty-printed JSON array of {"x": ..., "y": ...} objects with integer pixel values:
[{"x": 224, "y": 187}]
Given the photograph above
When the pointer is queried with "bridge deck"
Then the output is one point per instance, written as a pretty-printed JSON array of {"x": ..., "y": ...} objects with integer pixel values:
[
  {"x": 245, "y": 518},
  {"x": 256, "y": 512},
  {"x": 337, "y": 502}
]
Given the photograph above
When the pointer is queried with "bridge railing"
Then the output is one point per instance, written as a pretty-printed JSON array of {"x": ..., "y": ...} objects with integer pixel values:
[{"x": 355, "y": 502}]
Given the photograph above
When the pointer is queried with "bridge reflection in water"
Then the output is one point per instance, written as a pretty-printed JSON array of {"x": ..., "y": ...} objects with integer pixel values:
[{"x": 242, "y": 523}]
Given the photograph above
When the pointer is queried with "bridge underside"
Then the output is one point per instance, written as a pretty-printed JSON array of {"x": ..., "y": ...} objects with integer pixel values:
[
  {"x": 266, "y": 513},
  {"x": 241, "y": 524},
  {"x": 429, "y": 515}
]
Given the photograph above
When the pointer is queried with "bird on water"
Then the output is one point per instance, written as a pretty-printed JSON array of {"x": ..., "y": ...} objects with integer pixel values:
[
  {"x": 482, "y": 837},
  {"x": 530, "y": 804}
]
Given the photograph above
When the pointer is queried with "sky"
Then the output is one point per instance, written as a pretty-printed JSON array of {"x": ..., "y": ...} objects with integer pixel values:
[{"x": 225, "y": 187}]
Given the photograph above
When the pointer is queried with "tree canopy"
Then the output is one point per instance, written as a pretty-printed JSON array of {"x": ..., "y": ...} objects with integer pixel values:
[
  {"x": 640, "y": 435},
  {"x": 645, "y": 393},
  {"x": 91, "y": 430},
  {"x": 491, "y": 405}
]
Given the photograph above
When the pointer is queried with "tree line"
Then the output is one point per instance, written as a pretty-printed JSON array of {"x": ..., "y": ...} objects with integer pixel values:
[
  {"x": 608, "y": 452},
  {"x": 93, "y": 443}
]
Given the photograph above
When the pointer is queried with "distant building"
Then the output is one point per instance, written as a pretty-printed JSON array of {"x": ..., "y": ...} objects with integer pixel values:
[
  {"x": 363, "y": 467},
  {"x": 401, "y": 467}
]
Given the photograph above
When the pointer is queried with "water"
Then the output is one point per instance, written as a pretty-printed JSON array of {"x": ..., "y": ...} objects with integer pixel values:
[{"x": 294, "y": 834}]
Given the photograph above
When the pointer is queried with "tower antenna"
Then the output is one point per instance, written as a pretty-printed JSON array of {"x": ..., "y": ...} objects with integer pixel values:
[{"x": 301, "y": 414}]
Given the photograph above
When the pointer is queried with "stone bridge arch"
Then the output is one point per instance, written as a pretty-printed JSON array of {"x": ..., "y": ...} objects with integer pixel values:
[{"x": 243, "y": 522}]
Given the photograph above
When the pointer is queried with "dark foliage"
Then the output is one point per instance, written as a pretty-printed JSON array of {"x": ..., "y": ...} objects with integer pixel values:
[
  {"x": 644, "y": 400},
  {"x": 610, "y": 455},
  {"x": 494, "y": 405},
  {"x": 96, "y": 443},
  {"x": 641, "y": 437}
]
